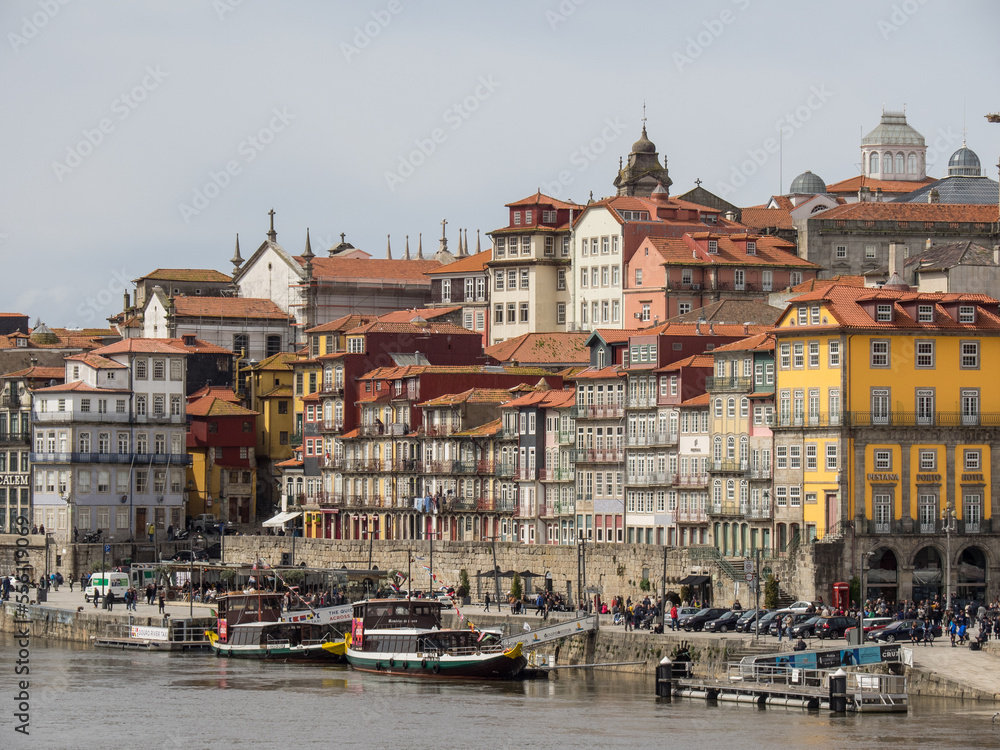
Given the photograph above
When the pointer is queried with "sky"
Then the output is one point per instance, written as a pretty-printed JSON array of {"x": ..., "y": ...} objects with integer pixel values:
[{"x": 144, "y": 135}]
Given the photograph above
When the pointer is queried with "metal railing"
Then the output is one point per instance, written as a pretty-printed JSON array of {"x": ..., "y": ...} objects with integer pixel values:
[
  {"x": 139, "y": 459},
  {"x": 594, "y": 411},
  {"x": 921, "y": 419},
  {"x": 594, "y": 456},
  {"x": 728, "y": 383},
  {"x": 651, "y": 439},
  {"x": 647, "y": 479},
  {"x": 690, "y": 480}
]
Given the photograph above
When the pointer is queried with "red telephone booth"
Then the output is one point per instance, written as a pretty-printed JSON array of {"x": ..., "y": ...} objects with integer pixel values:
[{"x": 841, "y": 595}]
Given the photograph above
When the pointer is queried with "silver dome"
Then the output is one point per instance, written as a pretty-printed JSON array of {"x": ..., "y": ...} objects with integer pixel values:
[
  {"x": 807, "y": 183},
  {"x": 964, "y": 162}
]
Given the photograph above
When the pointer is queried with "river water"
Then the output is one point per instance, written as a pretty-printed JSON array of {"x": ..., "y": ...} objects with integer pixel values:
[{"x": 85, "y": 698}]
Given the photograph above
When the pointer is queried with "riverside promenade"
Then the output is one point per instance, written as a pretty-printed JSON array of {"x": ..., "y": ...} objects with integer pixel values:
[{"x": 939, "y": 670}]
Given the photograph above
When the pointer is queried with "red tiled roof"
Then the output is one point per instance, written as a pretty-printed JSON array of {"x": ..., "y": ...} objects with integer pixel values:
[
  {"x": 79, "y": 386},
  {"x": 688, "y": 251},
  {"x": 946, "y": 212},
  {"x": 218, "y": 391},
  {"x": 185, "y": 274},
  {"x": 471, "y": 396},
  {"x": 692, "y": 329},
  {"x": 895, "y": 187},
  {"x": 760, "y": 342},
  {"x": 701, "y": 399},
  {"x": 483, "y": 430},
  {"x": 759, "y": 217},
  {"x": 140, "y": 346},
  {"x": 345, "y": 323},
  {"x": 541, "y": 198},
  {"x": 472, "y": 264},
  {"x": 282, "y": 361},
  {"x": 616, "y": 335},
  {"x": 695, "y": 360},
  {"x": 292, "y": 463},
  {"x": 372, "y": 269},
  {"x": 228, "y": 307},
  {"x": 279, "y": 391},
  {"x": 440, "y": 327},
  {"x": 199, "y": 346},
  {"x": 604, "y": 373},
  {"x": 213, "y": 406},
  {"x": 557, "y": 348},
  {"x": 404, "y": 371},
  {"x": 844, "y": 303},
  {"x": 91, "y": 359},
  {"x": 39, "y": 373},
  {"x": 427, "y": 313},
  {"x": 551, "y": 399}
]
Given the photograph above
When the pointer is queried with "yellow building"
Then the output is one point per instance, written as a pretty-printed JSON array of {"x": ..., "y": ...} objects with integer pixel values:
[
  {"x": 908, "y": 434},
  {"x": 272, "y": 398}
]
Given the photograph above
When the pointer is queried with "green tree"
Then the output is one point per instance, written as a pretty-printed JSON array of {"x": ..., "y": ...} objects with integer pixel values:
[
  {"x": 463, "y": 583},
  {"x": 770, "y": 593},
  {"x": 515, "y": 587}
]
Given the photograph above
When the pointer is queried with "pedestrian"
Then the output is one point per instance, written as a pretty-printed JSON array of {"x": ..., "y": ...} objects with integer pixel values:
[
  {"x": 486, "y": 601},
  {"x": 162, "y": 599},
  {"x": 673, "y": 617},
  {"x": 71, "y": 582},
  {"x": 170, "y": 533},
  {"x": 928, "y": 632},
  {"x": 109, "y": 600}
]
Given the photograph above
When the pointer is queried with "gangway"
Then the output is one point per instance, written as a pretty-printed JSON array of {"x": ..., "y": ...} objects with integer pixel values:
[{"x": 548, "y": 633}]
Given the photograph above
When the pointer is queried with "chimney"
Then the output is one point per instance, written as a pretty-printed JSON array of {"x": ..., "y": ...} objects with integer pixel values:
[
  {"x": 711, "y": 329},
  {"x": 864, "y": 194},
  {"x": 933, "y": 196},
  {"x": 746, "y": 329},
  {"x": 878, "y": 195},
  {"x": 697, "y": 327},
  {"x": 928, "y": 244},
  {"x": 892, "y": 258}
]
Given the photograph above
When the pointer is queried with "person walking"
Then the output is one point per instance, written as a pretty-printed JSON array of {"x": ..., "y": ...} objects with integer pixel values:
[
  {"x": 162, "y": 600},
  {"x": 486, "y": 600},
  {"x": 673, "y": 617}
]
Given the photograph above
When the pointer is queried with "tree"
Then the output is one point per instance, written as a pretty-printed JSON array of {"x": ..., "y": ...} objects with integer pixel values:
[
  {"x": 463, "y": 583},
  {"x": 515, "y": 587},
  {"x": 771, "y": 593}
]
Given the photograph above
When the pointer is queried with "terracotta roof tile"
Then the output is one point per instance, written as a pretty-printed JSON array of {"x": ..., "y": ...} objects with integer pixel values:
[
  {"x": 199, "y": 346},
  {"x": 39, "y": 373},
  {"x": 538, "y": 348},
  {"x": 759, "y": 217},
  {"x": 701, "y": 399},
  {"x": 373, "y": 269},
  {"x": 691, "y": 250},
  {"x": 441, "y": 327},
  {"x": 282, "y": 361},
  {"x": 760, "y": 342},
  {"x": 79, "y": 386},
  {"x": 540, "y": 198},
  {"x": 471, "y": 396},
  {"x": 918, "y": 212},
  {"x": 345, "y": 323},
  {"x": 471, "y": 264},
  {"x": 97, "y": 362},
  {"x": 545, "y": 399},
  {"x": 213, "y": 406},
  {"x": 218, "y": 391},
  {"x": 604, "y": 373},
  {"x": 280, "y": 391},
  {"x": 228, "y": 307},
  {"x": 484, "y": 430},
  {"x": 813, "y": 284},
  {"x": 140, "y": 346},
  {"x": 695, "y": 360},
  {"x": 427, "y": 313},
  {"x": 895, "y": 187},
  {"x": 185, "y": 274}
]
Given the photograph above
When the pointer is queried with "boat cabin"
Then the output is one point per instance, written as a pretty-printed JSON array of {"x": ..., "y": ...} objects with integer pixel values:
[{"x": 383, "y": 614}]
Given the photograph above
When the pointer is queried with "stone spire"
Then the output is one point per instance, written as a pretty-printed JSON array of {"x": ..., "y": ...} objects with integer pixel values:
[
  {"x": 406, "y": 253},
  {"x": 271, "y": 234},
  {"x": 463, "y": 242},
  {"x": 443, "y": 245},
  {"x": 307, "y": 256},
  {"x": 237, "y": 259},
  {"x": 479, "y": 247},
  {"x": 420, "y": 246},
  {"x": 388, "y": 247}
]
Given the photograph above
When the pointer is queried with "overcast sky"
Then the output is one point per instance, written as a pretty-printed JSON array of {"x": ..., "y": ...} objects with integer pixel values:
[{"x": 141, "y": 135}]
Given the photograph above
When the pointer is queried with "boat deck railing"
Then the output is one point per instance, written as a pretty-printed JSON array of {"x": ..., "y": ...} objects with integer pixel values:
[
  {"x": 858, "y": 683},
  {"x": 465, "y": 650}
]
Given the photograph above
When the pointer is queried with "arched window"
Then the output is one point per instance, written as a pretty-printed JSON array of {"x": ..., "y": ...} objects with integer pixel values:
[
  {"x": 744, "y": 449},
  {"x": 731, "y": 448},
  {"x": 718, "y": 408},
  {"x": 911, "y": 164},
  {"x": 899, "y": 163},
  {"x": 600, "y": 358},
  {"x": 717, "y": 491},
  {"x": 731, "y": 407},
  {"x": 717, "y": 448},
  {"x": 873, "y": 164},
  {"x": 887, "y": 163},
  {"x": 731, "y": 489},
  {"x": 744, "y": 407}
]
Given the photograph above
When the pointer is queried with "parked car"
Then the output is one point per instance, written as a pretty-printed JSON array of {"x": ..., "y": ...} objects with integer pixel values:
[
  {"x": 204, "y": 524},
  {"x": 832, "y": 627},
  {"x": 725, "y": 623},
  {"x": 747, "y": 622},
  {"x": 185, "y": 555},
  {"x": 804, "y": 606},
  {"x": 697, "y": 621},
  {"x": 870, "y": 624},
  {"x": 797, "y": 617},
  {"x": 806, "y": 628},
  {"x": 767, "y": 620},
  {"x": 900, "y": 631}
]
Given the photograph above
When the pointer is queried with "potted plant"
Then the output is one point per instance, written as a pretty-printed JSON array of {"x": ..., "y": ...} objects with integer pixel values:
[{"x": 463, "y": 587}]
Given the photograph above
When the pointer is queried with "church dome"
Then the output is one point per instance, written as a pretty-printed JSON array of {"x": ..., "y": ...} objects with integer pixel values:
[
  {"x": 964, "y": 162},
  {"x": 807, "y": 183},
  {"x": 893, "y": 130},
  {"x": 643, "y": 145}
]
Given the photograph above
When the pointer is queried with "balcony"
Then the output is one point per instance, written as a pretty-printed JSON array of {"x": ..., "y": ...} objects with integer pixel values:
[
  {"x": 728, "y": 508},
  {"x": 690, "y": 480},
  {"x": 558, "y": 475},
  {"x": 743, "y": 385},
  {"x": 440, "y": 430},
  {"x": 332, "y": 389},
  {"x": 648, "y": 479},
  {"x": 921, "y": 419},
  {"x": 138, "y": 459},
  {"x": 509, "y": 433},
  {"x": 332, "y": 425},
  {"x": 758, "y": 472},
  {"x": 642, "y": 402},
  {"x": 651, "y": 439},
  {"x": 408, "y": 466},
  {"x": 729, "y": 465},
  {"x": 602, "y": 411},
  {"x": 15, "y": 438},
  {"x": 582, "y": 497},
  {"x": 565, "y": 508},
  {"x": 759, "y": 513},
  {"x": 504, "y": 470},
  {"x": 593, "y": 456},
  {"x": 565, "y": 437},
  {"x": 692, "y": 516},
  {"x": 806, "y": 420}
]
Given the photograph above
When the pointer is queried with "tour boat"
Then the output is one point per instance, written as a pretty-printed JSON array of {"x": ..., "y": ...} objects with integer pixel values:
[
  {"x": 252, "y": 625},
  {"x": 405, "y": 637}
]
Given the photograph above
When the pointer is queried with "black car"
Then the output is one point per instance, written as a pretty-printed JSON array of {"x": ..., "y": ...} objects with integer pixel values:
[
  {"x": 797, "y": 619},
  {"x": 725, "y": 623},
  {"x": 767, "y": 620},
  {"x": 697, "y": 621},
  {"x": 806, "y": 628},
  {"x": 900, "y": 631},
  {"x": 747, "y": 622},
  {"x": 185, "y": 555},
  {"x": 833, "y": 627}
]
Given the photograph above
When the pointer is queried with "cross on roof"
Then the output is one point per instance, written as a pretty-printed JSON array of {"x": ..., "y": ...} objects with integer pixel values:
[
  {"x": 444, "y": 223},
  {"x": 697, "y": 182}
]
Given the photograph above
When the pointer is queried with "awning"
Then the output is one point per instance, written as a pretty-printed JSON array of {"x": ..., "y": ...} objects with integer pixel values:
[
  {"x": 281, "y": 519},
  {"x": 695, "y": 580}
]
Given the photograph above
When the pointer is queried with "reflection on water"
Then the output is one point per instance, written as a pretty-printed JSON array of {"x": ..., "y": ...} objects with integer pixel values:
[{"x": 86, "y": 698}]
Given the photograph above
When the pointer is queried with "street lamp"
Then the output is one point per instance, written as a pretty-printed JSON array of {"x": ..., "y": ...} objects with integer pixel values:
[
  {"x": 948, "y": 518},
  {"x": 865, "y": 556}
]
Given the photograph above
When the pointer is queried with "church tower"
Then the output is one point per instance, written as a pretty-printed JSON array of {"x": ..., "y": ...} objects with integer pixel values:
[{"x": 643, "y": 172}]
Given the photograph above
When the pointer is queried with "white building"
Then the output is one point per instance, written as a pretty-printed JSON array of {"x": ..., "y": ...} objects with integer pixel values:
[{"x": 109, "y": 444}]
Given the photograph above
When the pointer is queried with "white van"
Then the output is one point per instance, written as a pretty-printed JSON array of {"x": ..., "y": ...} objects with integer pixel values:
[
  {"x": 141, "y": 577},
  {"x": 116, "y": 583}
]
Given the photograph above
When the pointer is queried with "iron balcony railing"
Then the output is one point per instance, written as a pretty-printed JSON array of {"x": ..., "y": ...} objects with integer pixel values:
[
  {"x": 647, "y": 479},
  {"x": 139, "y": 459},
  {"x": 17, "y": 438},
  {"x": 824, "y": 419},
  {"x": 595, "y": 411},
  {"x": 651, "y": 439},
  {"x": 594, "y": 456},
  {"x": 728, "y": 383},
  {"x": 728, "y": 465},
  {"x": 558, "y": 475},
  {"x": 921, "y": 419},
  {"x": 690, "y": 480},
  {"x": 692, "y": 516}
]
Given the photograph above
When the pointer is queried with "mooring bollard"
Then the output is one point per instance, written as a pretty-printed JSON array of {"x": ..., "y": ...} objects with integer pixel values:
[
  {"x": 664, "y": 674},
  {"x": 838, "y": 692}
]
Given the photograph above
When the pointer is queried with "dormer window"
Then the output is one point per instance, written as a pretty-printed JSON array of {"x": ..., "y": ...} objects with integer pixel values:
[
  {"x": 527, "y": 217},
  {"x": 713, "y": 246},
  {"x": 814, "y": 315},
  {"x": 751, "y": 247},
  {"x": 548, "y": 217},
  {"x": 500, "y": 246},
  {"x": 803, "y": 315},
  {"x": 883, "y": 313},
  {"x": 966, "y": 314},
  {"x": 517, "y": 218},
  {"x": 925, "y": 313}
]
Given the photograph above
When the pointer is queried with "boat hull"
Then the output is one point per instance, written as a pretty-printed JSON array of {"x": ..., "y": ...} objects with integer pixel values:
[
  {"x": 498, "y": 666},
  {"x": 330, "y": 652}
]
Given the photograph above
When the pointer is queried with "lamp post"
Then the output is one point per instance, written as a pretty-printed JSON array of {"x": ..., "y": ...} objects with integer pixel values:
[
  {"x": 949, "y": 526},
  {"x": 865, "y": 556}
]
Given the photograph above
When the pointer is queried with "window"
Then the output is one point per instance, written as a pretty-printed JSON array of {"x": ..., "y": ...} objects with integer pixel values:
[
  {"x": 813, "y": 354},
  {"x": 584, "y": 276},
  {"x": 565, "y": 246},
  {"x": 525, "y": 278},
  {"x": 870, "y": 251},
  {"x": 120, "y": 406},
  {"x": 751, "y": 247},
  {"x": 879, "y": 353},
  {"x": 831, "y": 456},
  {"x": 713, "y": 246},
  {"x": 883, "y": 313},
  {"x": 498, "y": 281},
  {"x": 561, "y": 279},
  {"x": 140, "y": 369},
  {"x": 527, "y": 217},
  {"x": 798, "y": 356},
  {"x": 925, "y": 313},
  {"x": 445, "y": 297},
  {"x": 925, "y": 406},
  {"x": 781, "y": 457},
  {"x": 834, "y": 405},
  {"x": 499, "y": 246},
  {"x": 511, "y": 312},
  {"x": 811, "y": 452},
  {"x": 928, "y": 460},
  {"x": 970, "y": 406},
  {"x": 638, "y": 277},
  {"x": 833, "y": 353},
  {"x": 526, "y": 245},
  {"x": 517, "y": 218},
  {"x": 550, "y": 246},
  {"x": 966, "y": 314},
  {"x": 140, "y": 406},
  {"x": 841, "y": 251},
  {"x": 524, "y": 312},
  {"x": 683, "y": 308},
  {"x": 972, "y": 460},
  {"x": 615, "y": 276},
  {"x": 814, "y": 315},
  {"x": 785, "y": 356},
  {"x": 970, "y": 355},
  {"x": 498, "y": 313},
  {"x": 615, "y": 311},
  {"x": 803, "y": 313},
  {"x": 880, "y": 406},
  {"x": 273, "y": 346},
  {"x": 584, "y": 244},
  {"x": 561, "y": 313},
  {"x": 605, "y": 275},
  {"x": 883, "y": 460},
  {"x": 794, "y": 496},
  {"x": 781, "y": 496},
  {"x": 512, "y": 278},
  {"x": 924, "y": 354},
  {"x": 795, "y": 457}
]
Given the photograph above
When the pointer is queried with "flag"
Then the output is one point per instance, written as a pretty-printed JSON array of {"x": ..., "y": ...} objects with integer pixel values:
[{"x": 527, "y": 627}]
